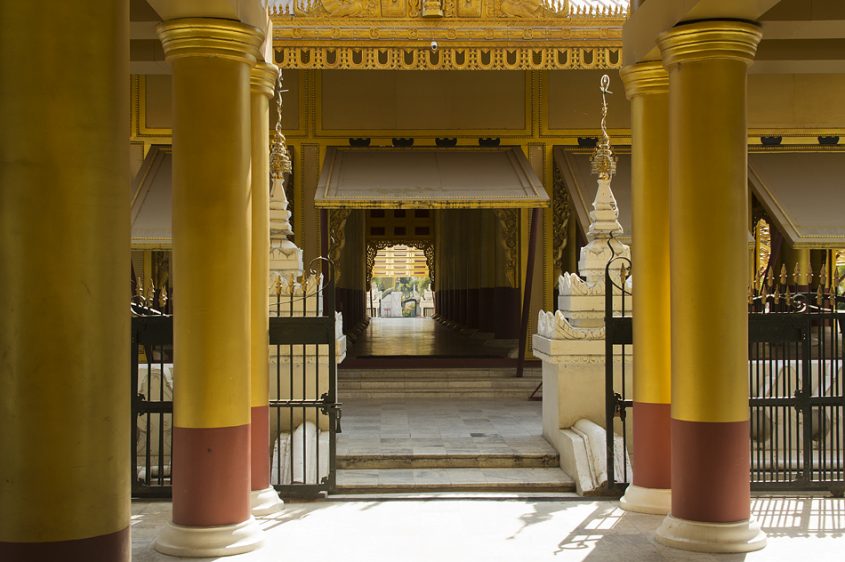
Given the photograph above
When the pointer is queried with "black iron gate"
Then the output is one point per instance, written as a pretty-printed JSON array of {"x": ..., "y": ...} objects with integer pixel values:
[
  {"x": 796, "y": 371},
  {"x": 304, "y": 411},
  {"x": 152, "y": 403}
]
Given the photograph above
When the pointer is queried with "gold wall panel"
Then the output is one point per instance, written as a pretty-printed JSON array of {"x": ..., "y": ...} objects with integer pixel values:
[
  {"x": 310, "y": 215},
  {"x": 796, "y": 104},
  {"x": 152, "y": 101},
  {"x": 158, "y": 96},
  {"x": 569, "y": 102},
  {"x": 356, "y": 103}
]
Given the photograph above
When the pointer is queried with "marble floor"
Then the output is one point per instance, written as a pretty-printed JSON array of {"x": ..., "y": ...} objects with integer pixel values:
[
  {"x": 494, "y": 530},
  {"x": 418, "y": 337},
  {"x": 442, "y": 427}
]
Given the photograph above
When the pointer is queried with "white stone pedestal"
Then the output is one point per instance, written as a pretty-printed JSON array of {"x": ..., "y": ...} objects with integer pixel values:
[
  {"x": 742, "y": 536},
  {"x": 204, "y": 542},
  {"x": 265, "y": 502},
  {"x": 654, "y": 501}
]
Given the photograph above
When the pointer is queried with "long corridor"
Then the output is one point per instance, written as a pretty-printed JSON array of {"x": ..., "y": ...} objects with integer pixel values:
[{"x": 423, "y": 337}]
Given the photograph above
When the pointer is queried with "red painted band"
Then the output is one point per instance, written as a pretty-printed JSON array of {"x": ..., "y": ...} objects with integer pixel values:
[
  {"x": 211, "y": 476},
  {"x": 652, "y": 454},
  {"x": 114, "y": 547},
  {"x": 259, "y": 431},
  {"x": 710, "y": 471}
]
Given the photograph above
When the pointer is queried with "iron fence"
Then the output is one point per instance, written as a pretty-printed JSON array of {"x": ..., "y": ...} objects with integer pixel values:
[
  {"x": 795, "y": 370},
  {"x": 304, "y": 412},
  {"x": 152, "y": 403},
  {"x": 796, "y": 397}
]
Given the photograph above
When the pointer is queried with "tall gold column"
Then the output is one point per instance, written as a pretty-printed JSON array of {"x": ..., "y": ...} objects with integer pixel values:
[
  {"x": 211, "y": 61},
  {"x": 263, "y": 498},
  {"x": 64, "y": 261},
  {"x": 708, "y": 63},
  {"x": 647, "y": 86}
]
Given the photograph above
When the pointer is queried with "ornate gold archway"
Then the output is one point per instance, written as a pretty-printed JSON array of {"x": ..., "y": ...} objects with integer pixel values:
[{"x": 374, "y": 245}]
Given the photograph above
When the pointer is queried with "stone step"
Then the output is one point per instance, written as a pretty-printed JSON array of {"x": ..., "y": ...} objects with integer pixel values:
[
  {"x": 445, "y": 394},
  {"x": 399, "y": 480},
  {"x": 435, "y": 374},
  {"x": 428, "y": 461},
  {"x": 438, "y": 384},
  {"x": 469, "y": 383}
]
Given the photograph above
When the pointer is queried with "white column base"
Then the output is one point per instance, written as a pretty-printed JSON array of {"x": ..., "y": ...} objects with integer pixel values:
[
  {"x": 742, "y": 536},
  {"x": 199, "y": 542},
  {"x": 265, "y": 502},
  {"x": 655, "y": 501}
]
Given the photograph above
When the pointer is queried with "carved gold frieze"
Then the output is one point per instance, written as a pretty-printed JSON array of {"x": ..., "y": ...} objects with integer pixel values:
[
  {"x": 447, "y": 35},
  {"x": 509, "y": 240},
  {"x": 448, "y": 58},
  {"x": 561, "y": 212},
  {"x": 337, "y": 239},
  {"x": 577, "y": 11}
]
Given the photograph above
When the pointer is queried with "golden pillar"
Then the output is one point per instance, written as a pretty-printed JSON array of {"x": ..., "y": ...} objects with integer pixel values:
[
  {"x": 707, "y": 63},
  {"x": 647, "y": 86},
  {"x": 263, "y": 498},
  {"x": 211, "y": 61},
  {"x": 64, "y": 259}
]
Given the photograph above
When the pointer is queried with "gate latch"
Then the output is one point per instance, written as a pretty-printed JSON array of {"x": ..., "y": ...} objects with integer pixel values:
[{"x": 336, "y": 406}]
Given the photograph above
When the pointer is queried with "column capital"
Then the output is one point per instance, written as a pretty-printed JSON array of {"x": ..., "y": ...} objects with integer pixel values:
[
  {"x": 210, "y": 37},
  {"x": 709, "y": 40},
  {"x": 262, "y": 79},
  {"x": 645, "y": 78}
]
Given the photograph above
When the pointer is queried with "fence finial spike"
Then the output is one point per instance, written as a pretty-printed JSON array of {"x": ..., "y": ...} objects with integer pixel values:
[
  {"x": 788, "y": 297},
  {"x": 162, "y": 297},
  {"x": 770, "y": 280},
  {"x": 823, "y": 277},
  {"x": 783, "y": 274},
  {"x": 277, "y": 285},
  {"x": 796, "y": 275}
]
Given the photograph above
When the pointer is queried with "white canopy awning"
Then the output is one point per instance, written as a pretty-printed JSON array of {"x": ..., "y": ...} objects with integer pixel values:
[
  {"x": 426, "y": 178},
  {"x": 804, "y": 193},
  {"x": 151, "y": 207}
]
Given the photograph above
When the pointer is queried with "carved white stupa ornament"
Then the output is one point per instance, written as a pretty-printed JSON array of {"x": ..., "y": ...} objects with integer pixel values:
[
  {"x": 604, "y": 218},
  {"x": 285, "y": 257},
  {"x": 580, "y": 314}
]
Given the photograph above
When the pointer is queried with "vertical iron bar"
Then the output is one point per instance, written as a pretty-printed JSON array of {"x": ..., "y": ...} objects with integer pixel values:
[
  {"x": 333, "y": 412},
  {"x": 806, "y": 384},
  {"x": 133, "y": 445},
  {"x": 147, "y": 399},
  {"x": 161, "y": 416},
  {"x": 609, "y": 400}
]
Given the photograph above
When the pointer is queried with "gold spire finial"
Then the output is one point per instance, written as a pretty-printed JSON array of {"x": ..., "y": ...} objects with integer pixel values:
[
  {"x": 603, "y": 162},
  {"x": 280, "y": 163}
]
